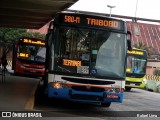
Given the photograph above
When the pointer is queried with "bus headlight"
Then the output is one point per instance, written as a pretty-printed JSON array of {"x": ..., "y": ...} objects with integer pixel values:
[
  {"x": 22, "y": 66},
  {"x": 144, "y": 81},
  {"x": 116, "y": 90},
  {"x": 58, "y": 85}
]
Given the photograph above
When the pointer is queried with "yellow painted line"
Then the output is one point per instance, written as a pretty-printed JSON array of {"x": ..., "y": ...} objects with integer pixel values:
[{"x": 30, "y": 103}]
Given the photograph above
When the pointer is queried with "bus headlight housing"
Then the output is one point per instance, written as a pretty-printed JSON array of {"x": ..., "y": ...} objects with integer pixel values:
[
  {"x": 58, "y": 85},
  {"x": 22, "y": 66},
  {"x": 144, "y": 81},
  {"x": 116, "y": 90}
]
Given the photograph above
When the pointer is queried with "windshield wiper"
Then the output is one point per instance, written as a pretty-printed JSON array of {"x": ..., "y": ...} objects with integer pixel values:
[{"x": 64, "y": 69}]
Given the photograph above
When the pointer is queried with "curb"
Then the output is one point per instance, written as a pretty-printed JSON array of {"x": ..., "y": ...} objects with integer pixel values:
[{"x": 30, "y": 103}]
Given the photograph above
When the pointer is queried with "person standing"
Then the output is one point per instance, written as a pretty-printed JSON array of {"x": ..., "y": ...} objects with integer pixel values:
[
  {"x": 4, "y": 61},
  {"x": 4, "y": 64}
]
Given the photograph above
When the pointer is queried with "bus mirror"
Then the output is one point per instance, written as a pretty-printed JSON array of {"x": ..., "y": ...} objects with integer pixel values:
[
  {"x": 46, "y": 39},
  {"x": 129, "y": 45}
]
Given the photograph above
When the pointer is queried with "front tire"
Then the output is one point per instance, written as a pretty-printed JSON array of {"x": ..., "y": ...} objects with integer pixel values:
[
  {"x": 128, "y": 88},
  {"x": 43, "y": 86},
  {"x": 106, "y": 104}
]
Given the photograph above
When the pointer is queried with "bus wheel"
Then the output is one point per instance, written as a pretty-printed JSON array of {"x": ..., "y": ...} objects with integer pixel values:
[
  {"x": 106, "y": 104},
  {"x": 127, "y": 88}
]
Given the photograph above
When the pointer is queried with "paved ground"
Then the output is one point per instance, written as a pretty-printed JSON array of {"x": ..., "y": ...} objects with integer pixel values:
[
  {"x": 137, "y": 103},
  {"x": 17, "y": 93}
]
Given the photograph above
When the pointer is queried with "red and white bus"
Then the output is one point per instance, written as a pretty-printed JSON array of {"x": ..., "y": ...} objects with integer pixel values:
[{"x": 29, "y": 57}]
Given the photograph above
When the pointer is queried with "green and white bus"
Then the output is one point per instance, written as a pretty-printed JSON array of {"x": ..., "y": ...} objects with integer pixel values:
[{"x": 136, "y": 69}]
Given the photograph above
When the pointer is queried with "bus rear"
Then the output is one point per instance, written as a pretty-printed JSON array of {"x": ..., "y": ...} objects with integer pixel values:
[
  {"x": 136, "y": 69},
  {"x": 29, "y": 57},
  {"x": 85, "y": 60}
]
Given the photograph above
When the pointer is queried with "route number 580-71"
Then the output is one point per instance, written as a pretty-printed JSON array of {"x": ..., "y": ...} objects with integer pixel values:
[{"x": 72, "y": 19}]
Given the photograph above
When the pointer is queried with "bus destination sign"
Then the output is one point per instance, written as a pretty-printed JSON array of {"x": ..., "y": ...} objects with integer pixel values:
[
  {"x": 24, "y": 55},
  {"x": 135, "y": 52},
  {"x": 94, "y": 21},
  {"x": 36, "y": 42}
]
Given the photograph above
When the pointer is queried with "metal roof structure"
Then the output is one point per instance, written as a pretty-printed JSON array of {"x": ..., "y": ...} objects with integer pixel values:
[
  {"x": 148, "y": 34},
  {"x": 31, "y": 14}
]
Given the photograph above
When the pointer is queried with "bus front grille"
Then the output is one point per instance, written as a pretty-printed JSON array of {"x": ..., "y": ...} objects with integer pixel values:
[
  {"x": 84, "y": 88},
  {"x": 136, "y": 83},
  {"x": 34, "y": 67},
  {"x": 30, "y": 72},
  {"x": 86, "y": 97}
]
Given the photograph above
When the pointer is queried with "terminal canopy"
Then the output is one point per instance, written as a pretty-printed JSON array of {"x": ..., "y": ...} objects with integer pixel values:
[{"x": 31, "y": 14}]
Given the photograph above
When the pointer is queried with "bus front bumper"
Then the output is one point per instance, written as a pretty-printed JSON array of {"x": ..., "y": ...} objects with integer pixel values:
[
  {"x": 85, "y": 96},
  {"x": 134, "y": 84}
]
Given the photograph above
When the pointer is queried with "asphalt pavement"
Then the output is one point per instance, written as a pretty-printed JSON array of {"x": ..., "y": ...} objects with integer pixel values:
[{"x": 17, "y": 93}]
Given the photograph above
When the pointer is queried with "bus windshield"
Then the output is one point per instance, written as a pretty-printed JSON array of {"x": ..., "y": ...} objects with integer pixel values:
[
  {"x": 31, "y": 53},
  {"x": 136, "y": 65},
  {"x": 90, "y": 52}
]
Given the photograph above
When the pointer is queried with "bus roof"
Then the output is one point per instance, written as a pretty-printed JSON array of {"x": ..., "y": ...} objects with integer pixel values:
[{"x": 139, "y": 49}]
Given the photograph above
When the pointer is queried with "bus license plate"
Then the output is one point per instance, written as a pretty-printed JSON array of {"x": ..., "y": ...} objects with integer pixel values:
[
  {"x": 83, "y": 69},
  {"x": 132, "y": 84},
  {"x": 112, "y": 96},
  {"x": 33, "y": 71}
]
